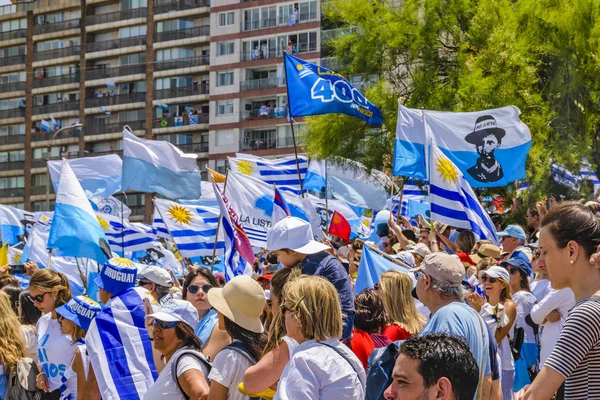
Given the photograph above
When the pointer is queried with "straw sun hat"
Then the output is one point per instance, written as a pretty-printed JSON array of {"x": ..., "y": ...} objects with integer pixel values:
[{"x": 242, "y": 300}]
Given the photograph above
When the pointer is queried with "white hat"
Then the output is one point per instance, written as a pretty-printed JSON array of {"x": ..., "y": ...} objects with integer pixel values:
[
  {"x": 157, "y": 275},
  {"x": 407, "y": 258},
  {"x": 421, "y": 250},
  {"x": 497, "y": 272},
  {"x": 177, "y": 311},
  {"x": 294, "y": 234}
]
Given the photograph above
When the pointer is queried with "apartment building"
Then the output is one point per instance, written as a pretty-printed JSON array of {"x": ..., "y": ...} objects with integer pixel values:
[{"x": 205, "y": 75}]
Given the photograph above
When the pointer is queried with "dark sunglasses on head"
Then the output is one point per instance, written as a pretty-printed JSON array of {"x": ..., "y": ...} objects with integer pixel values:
[
  {"x": 193, "y": 289},
  {"x": 285, "y": 309},
  {"x": 489, "y": 279},
  {"x": 164, "y": 324},
  {"x": 39, "y": 298}
]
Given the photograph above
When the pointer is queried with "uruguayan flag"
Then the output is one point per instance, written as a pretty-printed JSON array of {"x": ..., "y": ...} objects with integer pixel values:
[
  {"x": 489, "y": 147},
  {"x": 282, "y": 172},
  {"x": 156, "y": 166},
  {"x": 523, "y": 186},
  {"x": 193, "y": 228},
  {"x": 587, "y": 173},
  {"x": 372, "y": 266},
  {"x": 75, "y": 229},
  {"x": 98, "y": 176},
  {"x": 453, "y": 201},
  {"x": 17, "y": 224},
  {"x": 193, "y": 119},
  {"x": 120, "y": 350},
  {"x": 565, "y": 178},
  {"x": 45, "y": 125},
  {"x": 412, "y": 191},
  {"x": 124, "y": 236},
  {"x": 280, "y": 207},
  {"x": 239, "y": 256},
  {"x": 252, "y": 199}
]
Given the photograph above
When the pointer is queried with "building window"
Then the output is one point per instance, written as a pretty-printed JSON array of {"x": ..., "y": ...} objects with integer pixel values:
[
  {"x": 174, "y": 54},
  {"x": 132, "y": 31},
  {"x": 13, "y": 25},
  {"x": 220, "y": 166},
  {"x": 11, "y": 130},
  {"x": 39, "y": 179},
  {"x": 13, "y": 182},
  {"x": 225, "y": 107},
  {"x": 224, "y": 78},
  {"x": 225, "y": 48},
  {"x": 226, "y": 18},
  {"x": 38, "y": 206},
  {"x": 131, "y": 4}
]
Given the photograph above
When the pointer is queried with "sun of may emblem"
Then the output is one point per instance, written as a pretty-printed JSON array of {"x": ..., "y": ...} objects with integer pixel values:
[
  {"x": 122, "y": 262},
  {"x": 446, "y": 169},
  {"x": 17, "y": 259},
  {"x": 245, "y": 167},
  {"x": 103, "y": 224},
  {"x": 180, "y": 214}
]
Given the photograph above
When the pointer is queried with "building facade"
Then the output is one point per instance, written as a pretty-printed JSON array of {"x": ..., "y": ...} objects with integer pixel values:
[{"x": 207, "y": 77}]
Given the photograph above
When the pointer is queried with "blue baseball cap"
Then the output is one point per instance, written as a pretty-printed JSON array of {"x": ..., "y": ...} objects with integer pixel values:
[
  {"x": 117, "y": 275},
  {"x": 81, "y": 310},
  {"x": 513, "y": 231},
  {"x": 518, "y": 262}
]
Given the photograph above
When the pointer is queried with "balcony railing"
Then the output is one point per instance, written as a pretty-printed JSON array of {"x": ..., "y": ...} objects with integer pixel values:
[
  {"x": 101, "y": 129},
  {"x": 54, "y": 108},
  {"x": 187, "y": 33},
  {"x": 180, "y": 5},
  {"x": 182, "y": 63},
  {"x": 193, "y": 147},
  {"x": 12, "y": 139},
  {"x": 285, "y": 19},
  {"x": 12, "y": 35},
  {"x": 56, "y": 80},
  {"x": 103, "y": 153},
  {"x": 180, "y": 92},
  {"x": 12, "y": 87},
  {"x": 64, "y": 134},
  {"x": 260, "y": 143},
  {"x": 102, "y": 73},
  {"x": 116, "y": 16},
  {"x": 42, "y": 189},
  {"x": 12, "y": 192},
  {"x": 12, "y": 113},
  {"x": 12, "y": 165},
  {"x": 57, "y": 53},
  {"x": 260, "y": 84},
  {"x": 57, "y": 26},
  {"x": 115, "y": 44},
  {"x": 13, "y": 60},
  {"x": 264, "y": 113},
  {"x": 115, "y": 100},
  {"x": 171, "y": 122}
]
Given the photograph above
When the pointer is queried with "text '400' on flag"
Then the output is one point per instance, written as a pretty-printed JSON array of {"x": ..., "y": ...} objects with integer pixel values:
[
  {"x": 489, "y": 147},
  {"x": 314, "y": 90},
  {"x": 453, "y": 201},
  {"x": 156, "y": 166}
]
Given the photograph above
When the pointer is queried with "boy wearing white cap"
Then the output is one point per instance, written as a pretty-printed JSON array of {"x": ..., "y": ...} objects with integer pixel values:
[{"x": 293, "y": 241}]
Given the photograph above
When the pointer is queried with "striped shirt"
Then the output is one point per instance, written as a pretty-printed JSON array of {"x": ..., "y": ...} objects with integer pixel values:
[{"x": 577, "y": 352}]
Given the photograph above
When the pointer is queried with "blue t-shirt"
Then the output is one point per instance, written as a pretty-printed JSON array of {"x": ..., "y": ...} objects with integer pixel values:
[
  {"x": 460, "y": 319},
  {"x": 327, "y": 266}
]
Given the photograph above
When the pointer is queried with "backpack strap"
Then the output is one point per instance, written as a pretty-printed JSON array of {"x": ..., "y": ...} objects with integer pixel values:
[
  {"x": 199, "y": 357},
  {"x": 238, "y": 347},
  {"x": 339, "y": 352}
]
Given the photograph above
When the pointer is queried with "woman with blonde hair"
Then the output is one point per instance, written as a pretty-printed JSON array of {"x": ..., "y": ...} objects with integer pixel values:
[
  {"x": 403, "y": 321},
  {"x": 321, "y": 367},
  {"x": 12, "y": 347},
  {"x": 49, "y": 290}
]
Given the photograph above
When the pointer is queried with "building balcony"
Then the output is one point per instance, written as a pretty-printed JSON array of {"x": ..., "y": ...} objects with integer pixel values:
[
  {"x": 171, "y": 122},
  {"x": 12, "y": 35},
  {"x": 42, "y": 190},
  {"x": 259, "y": 54},
  {"x": 12, "y": 87},
  {"x": 102, "y": 73},
  {"x": 103, "y": 153},
  {"x": 12, "y": 113},
  {"x": 179, "y": 34},
  {"x": 12, "y": 165},
  {"x": 55, "y": 80},
  {"x": 12, "y": 192},
  {"x": 261, "y": 84},
  {"x": 14, "y": 60},
  {"x": 56, "y": 54},
  {"x": 12, "y": 139},
  {"x": 102, "y": 129},
  {"x": 16, "y": 8},
  {"x": 115, "y": 44},
  {"x": 115, "y": 100},
  {"x": 273, "y": 22},
  {"x": 65, "y": 134},
  {"x": 181, "y": 92},
  {"x": 182, "y": 63},
  {"x": 263, "y": 113},
  {"x": 55, "y": 108},
  {"x": 115, "y": 16},
  {"x": 193, "y": 147},
  {"x": 57, "y": 26},
  {"x": 269, "y": 142},
  {"x": 180, "y": 6}
]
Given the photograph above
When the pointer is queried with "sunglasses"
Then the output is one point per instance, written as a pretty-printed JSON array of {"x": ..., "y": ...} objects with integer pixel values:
[
  {"x": 193, "y": 289},
  {"x": 144, "y": 283},
  {"x": 489, "y": 279},
  {"x": 39, "y": 298},
  {"x": 284, "y": 309},
  {"x": 164, "y": 324},
  {"x": 513, "y": 271}
]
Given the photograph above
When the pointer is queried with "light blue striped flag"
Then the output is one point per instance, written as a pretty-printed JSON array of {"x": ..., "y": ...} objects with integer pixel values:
[
  {"x": 452, "y": 199},
  {"x": 565, "y": 178},
  {"x": 193, "y": 228},
  {"x": 587, "y": 173},
  {"x": 282, "y": 172},
  {"x": 120, "y": 350},
  {"x": 413, "y": 190},
  {"x": 124, "y": 236}
]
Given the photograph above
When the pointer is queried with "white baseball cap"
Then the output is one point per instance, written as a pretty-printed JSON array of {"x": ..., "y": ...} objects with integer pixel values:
[
  {"x": 157, "y": 275},
  {"x": 420, "y": 249},
  {"x": 177, "y": 311},
  {"x": 294, "y": 234}
]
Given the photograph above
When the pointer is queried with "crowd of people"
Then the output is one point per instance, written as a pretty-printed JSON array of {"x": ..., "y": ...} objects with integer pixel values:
[{"x": 456, "y": 319}]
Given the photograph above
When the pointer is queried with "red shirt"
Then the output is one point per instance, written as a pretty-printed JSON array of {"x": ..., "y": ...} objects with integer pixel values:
[
  {"x": 395, "y": 332},
  {"x": 363, "y": 344}
]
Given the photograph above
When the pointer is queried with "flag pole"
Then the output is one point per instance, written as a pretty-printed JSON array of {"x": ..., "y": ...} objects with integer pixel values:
[
  {"x": 291, "y": 119},
  {"x": 400, "y": 195},
  {"x": 167, "y": 228},
  {"x": 326, "y": 197},
  {"x": 428, "y": 164},
  {"x": 212, "y": 262},
  {"x": 123, "y": 225},
  {"x": 386, "y": 256}
]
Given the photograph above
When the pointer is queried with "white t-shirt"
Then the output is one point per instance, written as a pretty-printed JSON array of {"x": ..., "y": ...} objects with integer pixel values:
[
  {"x": 55, "y": 350},
  {"x": 318, "y": 372},
  {"x": 165, "y": 387},
  {"x": 525, "y": 302},
  {"x": 540, "y": 288},
  {"x": 30, "y": 338},
  {"x": 228, "y": 369}
]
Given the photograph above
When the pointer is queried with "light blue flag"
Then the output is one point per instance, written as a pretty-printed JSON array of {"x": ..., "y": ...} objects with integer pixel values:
[
  {"x": 371, "y": 266},
  {"x": 412, "y": 190},
  {"x": 489, "y": 147},
  {"x": 111, "y": 85},
  {"x": 55, "y": 123},
  {"x": 156, "y": 166},
  {"x": 565, "y": 178},
  {"x": 17, "y": 224},
  {"x": 104, "y": 110},
  {"x": 315, "y": 177},
  {"x": 75, "y": 229},
  {"x": 98, "y": 176},
  {"x": 282, "y": 172},
  {"x": 45, "y": 125},
  {"x": 587, "y": 173}
]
